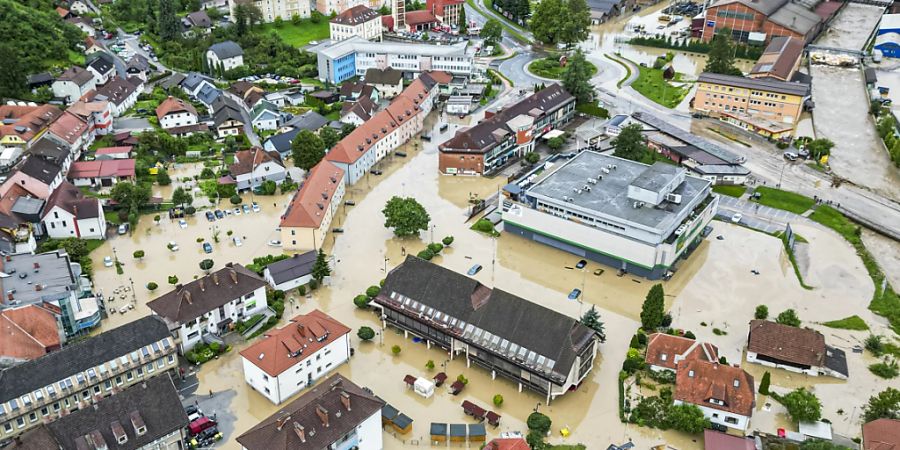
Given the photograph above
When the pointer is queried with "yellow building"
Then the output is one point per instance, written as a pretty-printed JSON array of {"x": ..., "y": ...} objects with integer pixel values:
[
  {"x": 766, "y": 106},
  {"x": 304, "y": 225}
]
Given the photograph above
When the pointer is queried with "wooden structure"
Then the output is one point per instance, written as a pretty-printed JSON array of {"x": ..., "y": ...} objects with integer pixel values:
[
  {"x": 493, "y": 419},
  {"x": 409, "y": 380},
  {"x": 439, "y": 379},
  {"x": 402, "y": 423},
  {"x": 473, "y": 410},
  {"x": 477, "y": 432},
  {"x": 458, "y": 432},
  {"x": 438, "y": 432},
  {"x": 456, "y": 387}
]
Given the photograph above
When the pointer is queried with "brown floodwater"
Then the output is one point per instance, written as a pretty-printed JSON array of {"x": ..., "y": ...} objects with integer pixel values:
[{"x": 714, "y": 285}]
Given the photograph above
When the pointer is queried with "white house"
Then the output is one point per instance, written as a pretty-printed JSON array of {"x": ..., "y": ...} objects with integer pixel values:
[
  {"x": 665, "y": 351},
  {"x": 175, "y": 112},
  {"x": 121, "y": 94},
  {"x": 291, "y": 358},
  {"x": 69, "y": 214},
  {"x": 795, "y": 349},
  {"x": 227, "y": 55},
  {"x": 291, "y": 273},
  {"x": 253, "y": 167},
  {"x": 208, "y": 306},
  {"x": 305, "y": 223},
  {"x": 73, "y": 83},
  {"x": 724, "y": 393},
  {"x": 78, "y": 7},
  {"x": 359, "y": 20},
  {"x": 102, "y": 67},
  {"x": 265, "y": 116}
]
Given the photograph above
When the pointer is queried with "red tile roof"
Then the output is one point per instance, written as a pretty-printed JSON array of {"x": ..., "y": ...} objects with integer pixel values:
[
  {"x": 28, "y": 332},
  {"x": 29, "y": 120},
  {"x": 307, "y": 208},
  {"x": 303, "y": 337},
  {"x": 69, "y": 127},
  {"x": 881, "y": 434},
  {"x": 507, "y": 444},
  {"x": 387, "y": 22},
  {"x": 440, "y": 76},
  {"x": 246, "y": 160},
  {"x": 420, "y": 17},
  {"x": 114, "y": 150},
  {"x": 715, "y": 440},
  {"x": 662, "y": 350},
  {"x": 106, "y": 168},
  {"x": 697, "y": 382},
  {"x": 174, "y": 105},
  {"x": 792, "y": 344}
]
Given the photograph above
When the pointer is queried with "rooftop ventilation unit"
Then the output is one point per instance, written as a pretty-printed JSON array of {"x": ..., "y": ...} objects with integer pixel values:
[
  {"x": 604, "y": 170},
  {"x": 592, "y": 180},
  {"x": 674, "y": 198}
]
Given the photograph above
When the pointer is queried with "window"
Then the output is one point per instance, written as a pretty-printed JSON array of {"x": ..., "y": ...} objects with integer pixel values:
[
  {"x": 45, "y": 411},
  {"x": 80, "y": 378},
  {"x": 150, "y": 368},
  {"x": 7, "y": 427},
  {"x": 20, "y": 422},
  {"x": 26, "y": 400},
  {"x": 38, "y": 395},
  {"x": 731, "y": 420},
  {"x": 107, "y": 384},
  {"x": 56, "y": 407},
  {"x": 118, "y": 381},
  {"x": 663, "y": 356},
  {"x": 32, "y": 417},
  {"x": 140, "y": 372},
  {"x": 129, "y": 376},
  {"x": 97, "y": 389},
  {"x": 92, "y": 373},
  {"x": 171, "y": 359}
]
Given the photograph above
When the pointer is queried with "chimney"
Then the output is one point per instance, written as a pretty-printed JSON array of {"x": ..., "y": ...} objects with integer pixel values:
[
  {"x": 38, "y": 287},
  {"x": 323, "y": 415},
  {"x": 345, "y": 400},
  {"x": 279, "y": 424},
  {"x": 233, "y": 274},
  {"x": 229, "y": 264},
  {"x": 202, "y": 285},
  {"x": 216, "y": 278},
  {"x": 301, "y": 432},
  {"x": 37, "y": 265},
  {"x": 178, "y": 286},
  {"x": 301, "y": 329},
  {"x": 187, "y": 297}
]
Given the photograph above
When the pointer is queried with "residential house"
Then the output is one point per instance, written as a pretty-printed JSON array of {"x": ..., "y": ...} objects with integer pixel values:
[
  {"x": 79, "y": 375},
  {"x": 724, "y": 393},
  {"x": 310, "y": 120},
  {"x": 281, "y": 142},
  {"x": 37, "y": 175},
  {"x": 388, "y": 81},
  {"x": 228, "y": 119},
  {"x": 795, "y": 349},
  {"x": 272, "y": 9},
  {"x": 20, "y": 126},
  {"x": 196, "y": 23},
  {"x": 122, "y": 152},
  {"x": 508, "y": 443},
  {"x": 74, "y": 83},
  {"x": 194, "y": 82},
  {"x": 716, "y": 440},
  {"x": 72, "y": 130},
  {"x": 780, "y": 60},
  {"x": 69, "y": 213},
  {"x": 121, "y": 94},
  {"x": 507, "y": 134},
  {"x": 265, "y": 116},
  {"x": 138, "y": 66},
  {"x": 359, "y": 20},
  {"x": 145, "y": 416},
  {"x": 210, "y": 304},
  {"x": 92, "y": 46},
  {"x": 98, "y": 115},
  {"x": 665, "y": 351},
  {"x": 19, "y": 212},
  {"x": 358, "y": 112},
  {"x": 490, "y": 327},
  {"x": 54, "y": 152},
  {"x": 277, "y": 98},
  {"x": 292, "y": 272},
  {"x": 757, "y": 21},
  {"x": 419, "y": 21},
  {"x": 334, "y": 414},
  {"x": 64, "y": 13},
  {"x": 767, "y": 106},
  {"x": 881, "y": 434},
  {"x": 102, "y": 173},
  {"x": 226, "y": 55},
  {"x": 175, "y": 113},
  {"x": 352, "y": 91},
  {"x": 294, "y": 357},
  {"x": 306, "y": 221},
  {"x": 85, "y": 24},
  {"x": 254, "y": 167},
  {"x": 247, "y": 92},
  {"x": 101, "y": 67},
  {"x": 78, "y": 7},
  {"x": 29, "y": 332}
]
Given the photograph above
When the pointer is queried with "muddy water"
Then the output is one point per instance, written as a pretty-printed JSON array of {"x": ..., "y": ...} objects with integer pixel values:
[{"x": 887, "y": 252}]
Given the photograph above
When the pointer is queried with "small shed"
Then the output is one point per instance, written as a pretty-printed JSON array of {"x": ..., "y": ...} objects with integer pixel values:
[
  {"x": 438, "y": 432},
  {"x": 409, "y": 380},
  {"x": 456, "y": 387},
  {"x": 439, "y": 379},
  {"x": 388, "y": 414},
  {"x": 477, "y": 432},
  {"x": 473, "y": 410},
  {"x": 458, "y": 432},
  {"x": 668, "y": 71},
  {"x": 493, "y": 419},
  {"x": 424, "y": 387},
  {"x": 402, "y": 423}
]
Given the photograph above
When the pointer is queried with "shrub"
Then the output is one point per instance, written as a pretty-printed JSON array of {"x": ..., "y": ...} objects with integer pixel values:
[
  {"x": 634, "y": 342},
  {"x": 151, "y": 286},
  {"x": 666, "y": 320},
  {"x": 272, "y": 321},
  {"x": 723, "y": 360},
  {"x": 190, "y": 210},
  {"x": 430, "y": 364},
  {"x": 361, "y": 301},
  {"x": 365, "y": 333},
  {"x": 764, "y": 384},
  {"x": 719, "y": 332},
  {"x": 498, "y": 400},
  {"x": 875, "y": 344},
  {"x": 663, "y": 376},
  {"x": 313, "y": 285},
  {"x": 886, "y": 369},
  {"x": 633, "y": 361},
  {"x": 462, "y": 379},
  {"x": 426, "y": 254},
  {"x": 447, "y": 241},
  {"x": 642, "y": 338},
  {"x": 372, "y": 291},
  {"x": 138, "y": 254},
  {"x": 689, "y": 335},
  {"x": 538, "y": 422},
  {"x": 173, "y": 279},
  {"x": 788, "y": 317},
  {"x": 435, "y": 247},
  {"x": 301, "y": 290},
  {"x": 235, "y": 199},
  {"x": 396, "y": 350},
  {"x": 762, "y": 312},
  {"x": 214, "y": 346}
]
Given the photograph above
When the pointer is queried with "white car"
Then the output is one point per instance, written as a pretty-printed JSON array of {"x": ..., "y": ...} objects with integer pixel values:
[
  {"x": 275, "y": 243},
  {"x": 237, "y": 241},
  {"x": 736, "y": 218},
  {"x": 182, "y": 223},
  {"x": 255, "y": 207},
  {"x": 172, "y": 246},
  {"x": 108, "y": 261}
]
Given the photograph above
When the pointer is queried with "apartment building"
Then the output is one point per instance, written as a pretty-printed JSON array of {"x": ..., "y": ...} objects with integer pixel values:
[
  {"x": 357, "y": 21},
  {"x": 769, "y": 107},
  {"x": 285, "y": 9},
  {"x": 306, "y": 221},
  {"x": 81, "y": 374}
]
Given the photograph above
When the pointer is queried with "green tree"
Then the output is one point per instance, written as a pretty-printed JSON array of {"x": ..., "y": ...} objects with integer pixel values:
[
  {"x": 546, "y": 21},
  {"x": 788, "y": 317},
  {"x": 13, "y": 75},
  {"x": 297, "y": 20},
  {"x": 162, "y": 178},
  {"x": 721, "y": 54},
  {"x": 173, "y": 279},
  {"x": 576, "y": 78},
  {"x": 169, "y": 27},
  {"x": 629, "y": 144},
  {"x": 498, "y": 400},
  {"x": 463, "y": 23},
  {"x": 654, "y": 308},
  {"x": 151, "y": 286},
  {"x": 591, "y": 319},
  {"x": 320, "y": 268},
  {"x": 687, "y": 418},
  {"x": 817, "y": 444},
  {"x": 764, "y": 384},
  {"x": 884, "y": 405},
  {"x": 138, "y": 254},
  {"x": 492, "y": 32},
  {"x": 406, "y": 216},
  {"x": 576, "y": 23},
  {"x": 346, "y": 129},
  {"x": 365, "y": 333},
  {"x": 361, "y": 301},
  {"x": 278, "y": 22},
  {"x": 555, "y": 143},
  {"x": 532, "y": 157},
  {"x": 385, "y": 10},
  {"x": 307, "y": 149},
  {"x": 802, "y": 405},
  {"x": 206, "y": 264},
  {"x": 396, "y": 350},
  {"x": 539, "y": 422},
  {"x": 819, "y": 148},
  {"x": 372, "y": 291},
  {"x": 429, "y": 364},
  {"x": 761, "y": 313},
  {"x": 329, "y": 137},
  {"x": 181, "y": 197}
]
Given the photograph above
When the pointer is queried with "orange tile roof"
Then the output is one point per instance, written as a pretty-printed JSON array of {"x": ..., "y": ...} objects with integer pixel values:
[
  {"x": 307, "y": 208},
  {"x": 881, "y": 434},
  {"x": 303, "y": 337},
  {"x": 69, "y": 127},
  {"x": 246, "y": 160},
  {"x": 659, "y": 344},
  {"x": 507, "y": 444},
  {"x": 9, "y": 200},
  {"x": 697, "y": 382},
  {"x": 173, "y": 104},
  {"x": 28, "y": 332},
  {"x": 32, "y": 118}
]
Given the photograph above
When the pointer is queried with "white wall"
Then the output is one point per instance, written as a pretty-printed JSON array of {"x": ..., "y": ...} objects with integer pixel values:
[
  {"x": 71, "y": 91},
  {"x": 179, "y": 119},
  {"x": 718, "y": 416},
  {"x": 227, "y": 63},
  {"x": 370, "y": 432},
  {"x": 192, "y": 333},
  {"x": 287, "y": 285},
  {"x": 60, "y": 224}
]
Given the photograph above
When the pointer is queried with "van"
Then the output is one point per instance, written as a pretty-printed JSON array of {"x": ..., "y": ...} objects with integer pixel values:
[{"x": 444, "y": 127}]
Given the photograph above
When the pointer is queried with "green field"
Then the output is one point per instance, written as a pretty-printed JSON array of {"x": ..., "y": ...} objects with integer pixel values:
[
  {"x": 730, "y": 190},
  {"x": 848, "y": 323},
  {"x": 788, "y": 201},
  {"x": 650, "y": 84},
  {"x": 302, "y": 34}
]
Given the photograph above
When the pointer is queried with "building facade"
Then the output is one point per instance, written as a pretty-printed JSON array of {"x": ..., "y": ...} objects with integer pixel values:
[
  {"x": 254, "y": 167},
  {"x": 633, "y": 217},
  {"x": 357, "y": 21},
  {"x": 175, "y": 112},
  {"x": 71, "y": 214},
  {"x": 79, "y": 375},
  {"x": 761, "y": 20},
  {"x": 725, "y": 394},
  {"x": 799, "y": 350},
  {"x": 228, "y": 55},
  {"x": 292, "y": 272},
  {"x": 306, "y": 221}
]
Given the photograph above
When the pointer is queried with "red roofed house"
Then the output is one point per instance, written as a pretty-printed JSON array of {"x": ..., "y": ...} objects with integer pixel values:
[
  {"x": 22, "y": 125},
  {"x": 305, "y": 223},
  {"x": 445, "y": 11},
  {"x": 291, "y": 358},
  {"x": 664, "y": 351},
  {"x": 73, "y": 131},
  {"x": 253, "y": 167},
  {"x": 507, "y": 444},
  {"x": 175, "y": 113},
  {"x": 29, "y": 332},
  {"x": 69, "y": 213},
  {"x": 716, "y": 440},
  {"x": 881, "y": 434},
  {"x": 98, "y": 114},
  {"x": 102, "y": 173},
  {"x": 725, "y": 394},
  {"x": 120, "y": 152},
  {"x": 421, "y": 20}
]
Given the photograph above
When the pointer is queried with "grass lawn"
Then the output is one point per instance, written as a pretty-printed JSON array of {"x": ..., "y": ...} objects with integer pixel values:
[
  {"x": 300, "y": 35},
  {"x": 650, "y": 84},
  {"x": 788, "y": 201},
  {"x": 848, "y": 323},
  {"x": 730, "y": 190},
  {"x": 627, "y": 69},
  {"x": 549, "y": 68},
  {"x": 592, "y": 109}
]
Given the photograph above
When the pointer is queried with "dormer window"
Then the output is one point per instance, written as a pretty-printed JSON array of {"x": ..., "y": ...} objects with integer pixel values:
[
  {"x": 691, "y": 373},
  {"x": 737, "y": 383},
  {"x": 663, "y": 357}
]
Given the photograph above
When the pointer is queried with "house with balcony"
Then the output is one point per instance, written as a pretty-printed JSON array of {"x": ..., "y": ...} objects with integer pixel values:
[
  {"x": 724, "y": 393},
  {"x": 255, "y": 166},
  {"x": 211, "y": 304}
]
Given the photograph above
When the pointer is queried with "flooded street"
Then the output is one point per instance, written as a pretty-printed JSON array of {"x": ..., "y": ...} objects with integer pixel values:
[{"x": 714, "y": 285}]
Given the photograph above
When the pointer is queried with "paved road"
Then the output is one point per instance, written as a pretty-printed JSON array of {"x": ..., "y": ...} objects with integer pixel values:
[
  {"x": 514, "y": 69},
  {"x": 756, "y": 216},
  {"x": 128, "y": 123}
]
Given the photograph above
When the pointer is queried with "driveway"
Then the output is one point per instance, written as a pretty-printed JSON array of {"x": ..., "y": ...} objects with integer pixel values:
[{"x": 128, "y": 123}]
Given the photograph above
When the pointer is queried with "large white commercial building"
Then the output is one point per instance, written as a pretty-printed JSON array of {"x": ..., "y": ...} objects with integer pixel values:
[
  {"x": 339, "y": 61},
  {"x": 618, "y": 212},
  {"x": 292, "y": 358}
]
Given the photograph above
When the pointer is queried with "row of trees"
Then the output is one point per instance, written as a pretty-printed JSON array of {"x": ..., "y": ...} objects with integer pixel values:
[{"x": 516, "y": 10}]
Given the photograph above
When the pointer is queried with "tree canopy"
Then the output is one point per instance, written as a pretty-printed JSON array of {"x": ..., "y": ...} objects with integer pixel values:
[
  {"x": 591, "y": 319},
  {"x": 307, "y": 149},
  {"x": 320, "y": 268},
  {"x": 788, "y": 317},
  {"x": 561, "y": 21},
  {"x": 629, "y": 144},
  {"x": 884, "y": 405},
  {"x": 492, "y": 32},
  {"x": 406, "y": 216},
  {"x": 329, "y": 137},
  {"x": 721, "y": 54},
  {"x": 802, "y": 405},
  {"x": 181, "y": 197},
  {"x": 819, "y": 148},
  {"x": 576, "y": 77},
  {"x": 654, "y": 308}
]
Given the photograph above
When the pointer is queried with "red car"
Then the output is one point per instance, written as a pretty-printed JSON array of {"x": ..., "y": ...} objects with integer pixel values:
[{"x": 196, "y": 427}]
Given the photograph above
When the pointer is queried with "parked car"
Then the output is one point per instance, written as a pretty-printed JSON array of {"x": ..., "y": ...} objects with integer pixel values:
[
  {"x": 275, "y": 243},
  {"x": 255, "y": 207},
  {"x": 182, "y": 223},
  {"x": 350, "y": 203},
  {"x": 237, "y": 211},
  {"x": 246, "y": 209},
  {"x": 219, "y": 214},
  {"x": 123, "y": 228},
  {"x": 736, "y": 218},
  {"x": 575, "y": 294},
  {"x": 237, "y": 241},
  {"x": 207, "y": 247},
  {"x": 210, "y": 217},
  {"x": 337, "y": 230},
  {"x": 790, "y": 156},
  {"x": 474, "y": 270},
  {"x": 375, "y": 172},
  {"x": 108, "y": 261},
  {"x": 400, "y": 154},
  {"x": 581, "y": 264},
  {"x": 172, "y": 246},
  {"x": 203, "y": 423}
]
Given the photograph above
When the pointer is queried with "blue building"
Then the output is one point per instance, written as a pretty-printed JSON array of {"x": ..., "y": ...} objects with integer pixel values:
[{"x": 888, "y": 44}]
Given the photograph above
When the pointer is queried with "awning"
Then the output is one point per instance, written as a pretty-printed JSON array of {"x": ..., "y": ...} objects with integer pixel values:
[{"x": 554, "y": 133}]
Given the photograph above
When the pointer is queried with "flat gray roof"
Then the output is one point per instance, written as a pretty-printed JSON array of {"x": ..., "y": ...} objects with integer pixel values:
[
  {"x": 358, "y": 44},
  {"x": 53, "y": 274},
  {"x": 609, "y": 196},
  {"x": 781, "y": 87},
  {"x": 688, "y": 138}
]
